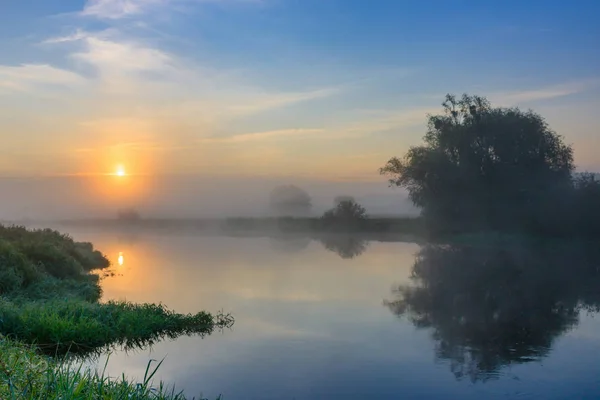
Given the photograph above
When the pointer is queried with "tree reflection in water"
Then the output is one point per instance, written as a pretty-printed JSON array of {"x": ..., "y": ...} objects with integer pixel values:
[
  {"x": 490, "y": 306},
  {"x": 289, "y": 243},
  {"x": 345, "y": 245}
]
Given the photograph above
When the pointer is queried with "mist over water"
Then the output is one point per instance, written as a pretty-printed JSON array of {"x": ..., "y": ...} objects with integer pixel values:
[{"x": 180, "y": 197}]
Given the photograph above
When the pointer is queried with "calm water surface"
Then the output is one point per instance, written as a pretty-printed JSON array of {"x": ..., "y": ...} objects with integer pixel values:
[{"x": 319, "y": 323}]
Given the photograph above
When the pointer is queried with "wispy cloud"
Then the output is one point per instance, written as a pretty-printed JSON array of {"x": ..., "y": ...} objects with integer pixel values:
[
  {"x": 79, "y": 34},
  {"x": 260, "y": 101},
  {"x": 257, "y": 136},
  {"x": 125, "y": 64},
  {"x": 119, "y": 9},
  {"x": 112, "y": 56},
  {"x": 546, "y": 93},
  {"x": 387, "y": 120},
  {"x": 515, "y": 97},
  {"x": 29, "y": 76},
  {"x": 115, "y": 9}
]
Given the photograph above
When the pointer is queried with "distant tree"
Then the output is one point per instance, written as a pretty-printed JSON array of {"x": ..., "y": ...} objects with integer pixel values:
[
  {"x": 346, "y": 215},
  {"x": 484, "y": 167},
  {"x": 338, "y": 199},
  {"x": 129, "y": 215},
  {"x": 290, "y": 201}
]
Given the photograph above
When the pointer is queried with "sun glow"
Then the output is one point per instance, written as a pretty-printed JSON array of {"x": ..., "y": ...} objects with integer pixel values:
[{"x": 120, "y": 171}]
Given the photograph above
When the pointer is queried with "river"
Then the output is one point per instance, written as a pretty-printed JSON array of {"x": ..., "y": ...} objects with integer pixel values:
[{"x": 320, "y": 320}]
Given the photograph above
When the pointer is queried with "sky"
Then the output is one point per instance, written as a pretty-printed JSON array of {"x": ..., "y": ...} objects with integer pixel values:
[{"x": 320, "y": 90}]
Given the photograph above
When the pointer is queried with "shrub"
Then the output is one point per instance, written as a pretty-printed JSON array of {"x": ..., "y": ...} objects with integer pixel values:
[
  {"x": 347, "y": 215},
  {"x": 16, "y": 271}
]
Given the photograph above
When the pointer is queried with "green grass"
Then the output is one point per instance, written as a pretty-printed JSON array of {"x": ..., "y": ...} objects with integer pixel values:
[
  {"x": 49, "y": 306},
  {"x": 27, "y": 375},
  {"x": 74, "y": 326}
]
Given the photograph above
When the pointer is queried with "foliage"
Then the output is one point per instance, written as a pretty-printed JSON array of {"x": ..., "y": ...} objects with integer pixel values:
[
  {"x": 346, "y": 215},
  {"x": 587, "y": 204},
  {"x": 498, "y": 302},
  {"x": 29, "y": 257},
  {"x": 26, "y": 375},
  {"x": 40, "y": 240},
  {"x": 338, "y": 199},
  {"x": 290, "y": 200},
  {"x": 486, "y": 168}
]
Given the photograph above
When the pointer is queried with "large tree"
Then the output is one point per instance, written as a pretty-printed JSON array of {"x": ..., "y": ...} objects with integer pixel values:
[{"x": 485, "y": 167}]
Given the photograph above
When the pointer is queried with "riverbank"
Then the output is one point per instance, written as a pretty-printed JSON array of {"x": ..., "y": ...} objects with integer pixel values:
[
  {"x": 27, "y": 375},
  {"x": 50, "y": 306}
]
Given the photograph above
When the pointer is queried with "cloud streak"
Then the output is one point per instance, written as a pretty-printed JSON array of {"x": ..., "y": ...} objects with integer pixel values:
[
  {"x": 28, "y": 77},
  {"x": 547, "y": 93},
  {"x": 117, "y": 9},
  {"x": 120, "y": 9},
  {"x": 257, "y": 136}
]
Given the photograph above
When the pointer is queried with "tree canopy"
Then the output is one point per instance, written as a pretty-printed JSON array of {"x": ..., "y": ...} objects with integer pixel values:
[
  {"x": 290, "y": 200},
  {"x": 338, "y": 199},
  {"x": 346, "y": 215},
  {"x": 481, "y": 166}
]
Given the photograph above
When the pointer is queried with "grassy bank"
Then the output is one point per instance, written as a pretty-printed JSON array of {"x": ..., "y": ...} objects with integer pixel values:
[
  {"x": 27, "y": 375},
  {"x": 49, "y": 305}
]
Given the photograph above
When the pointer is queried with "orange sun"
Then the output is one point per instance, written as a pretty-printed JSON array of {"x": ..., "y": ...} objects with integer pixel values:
[{"x": 120, "y": 171}]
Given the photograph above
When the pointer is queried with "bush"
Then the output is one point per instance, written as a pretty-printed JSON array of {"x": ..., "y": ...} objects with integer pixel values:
[
  {"x": 50, "y": 252},
  {"x": 347, "y": 215},
  {"x": 16, "y": 271},
  {"x": 51, "y": 259}
]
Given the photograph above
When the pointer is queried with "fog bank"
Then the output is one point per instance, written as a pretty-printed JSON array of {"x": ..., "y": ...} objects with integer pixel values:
[{"x": 179, "y": 196}]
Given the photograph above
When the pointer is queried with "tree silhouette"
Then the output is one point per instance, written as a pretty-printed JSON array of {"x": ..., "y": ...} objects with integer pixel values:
[
  {"x": 587, "y": 203},
  {"x": 290, "y": 201},
  {"x": 483, "y": 167},
  {"x": 338, "y": 199},
  {"x": 489, "y": 306},
  {"x": 347, "y": 215}
]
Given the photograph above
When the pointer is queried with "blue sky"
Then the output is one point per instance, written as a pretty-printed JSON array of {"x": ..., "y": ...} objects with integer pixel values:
[{"x": 317, "y": 88}]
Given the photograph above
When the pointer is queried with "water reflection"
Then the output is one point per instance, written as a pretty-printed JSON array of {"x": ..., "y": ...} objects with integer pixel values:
[
  {"x": 346, "y": 246},
  {"x": 495, "y": 305},
  {"x": 289, "y": 244}
]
